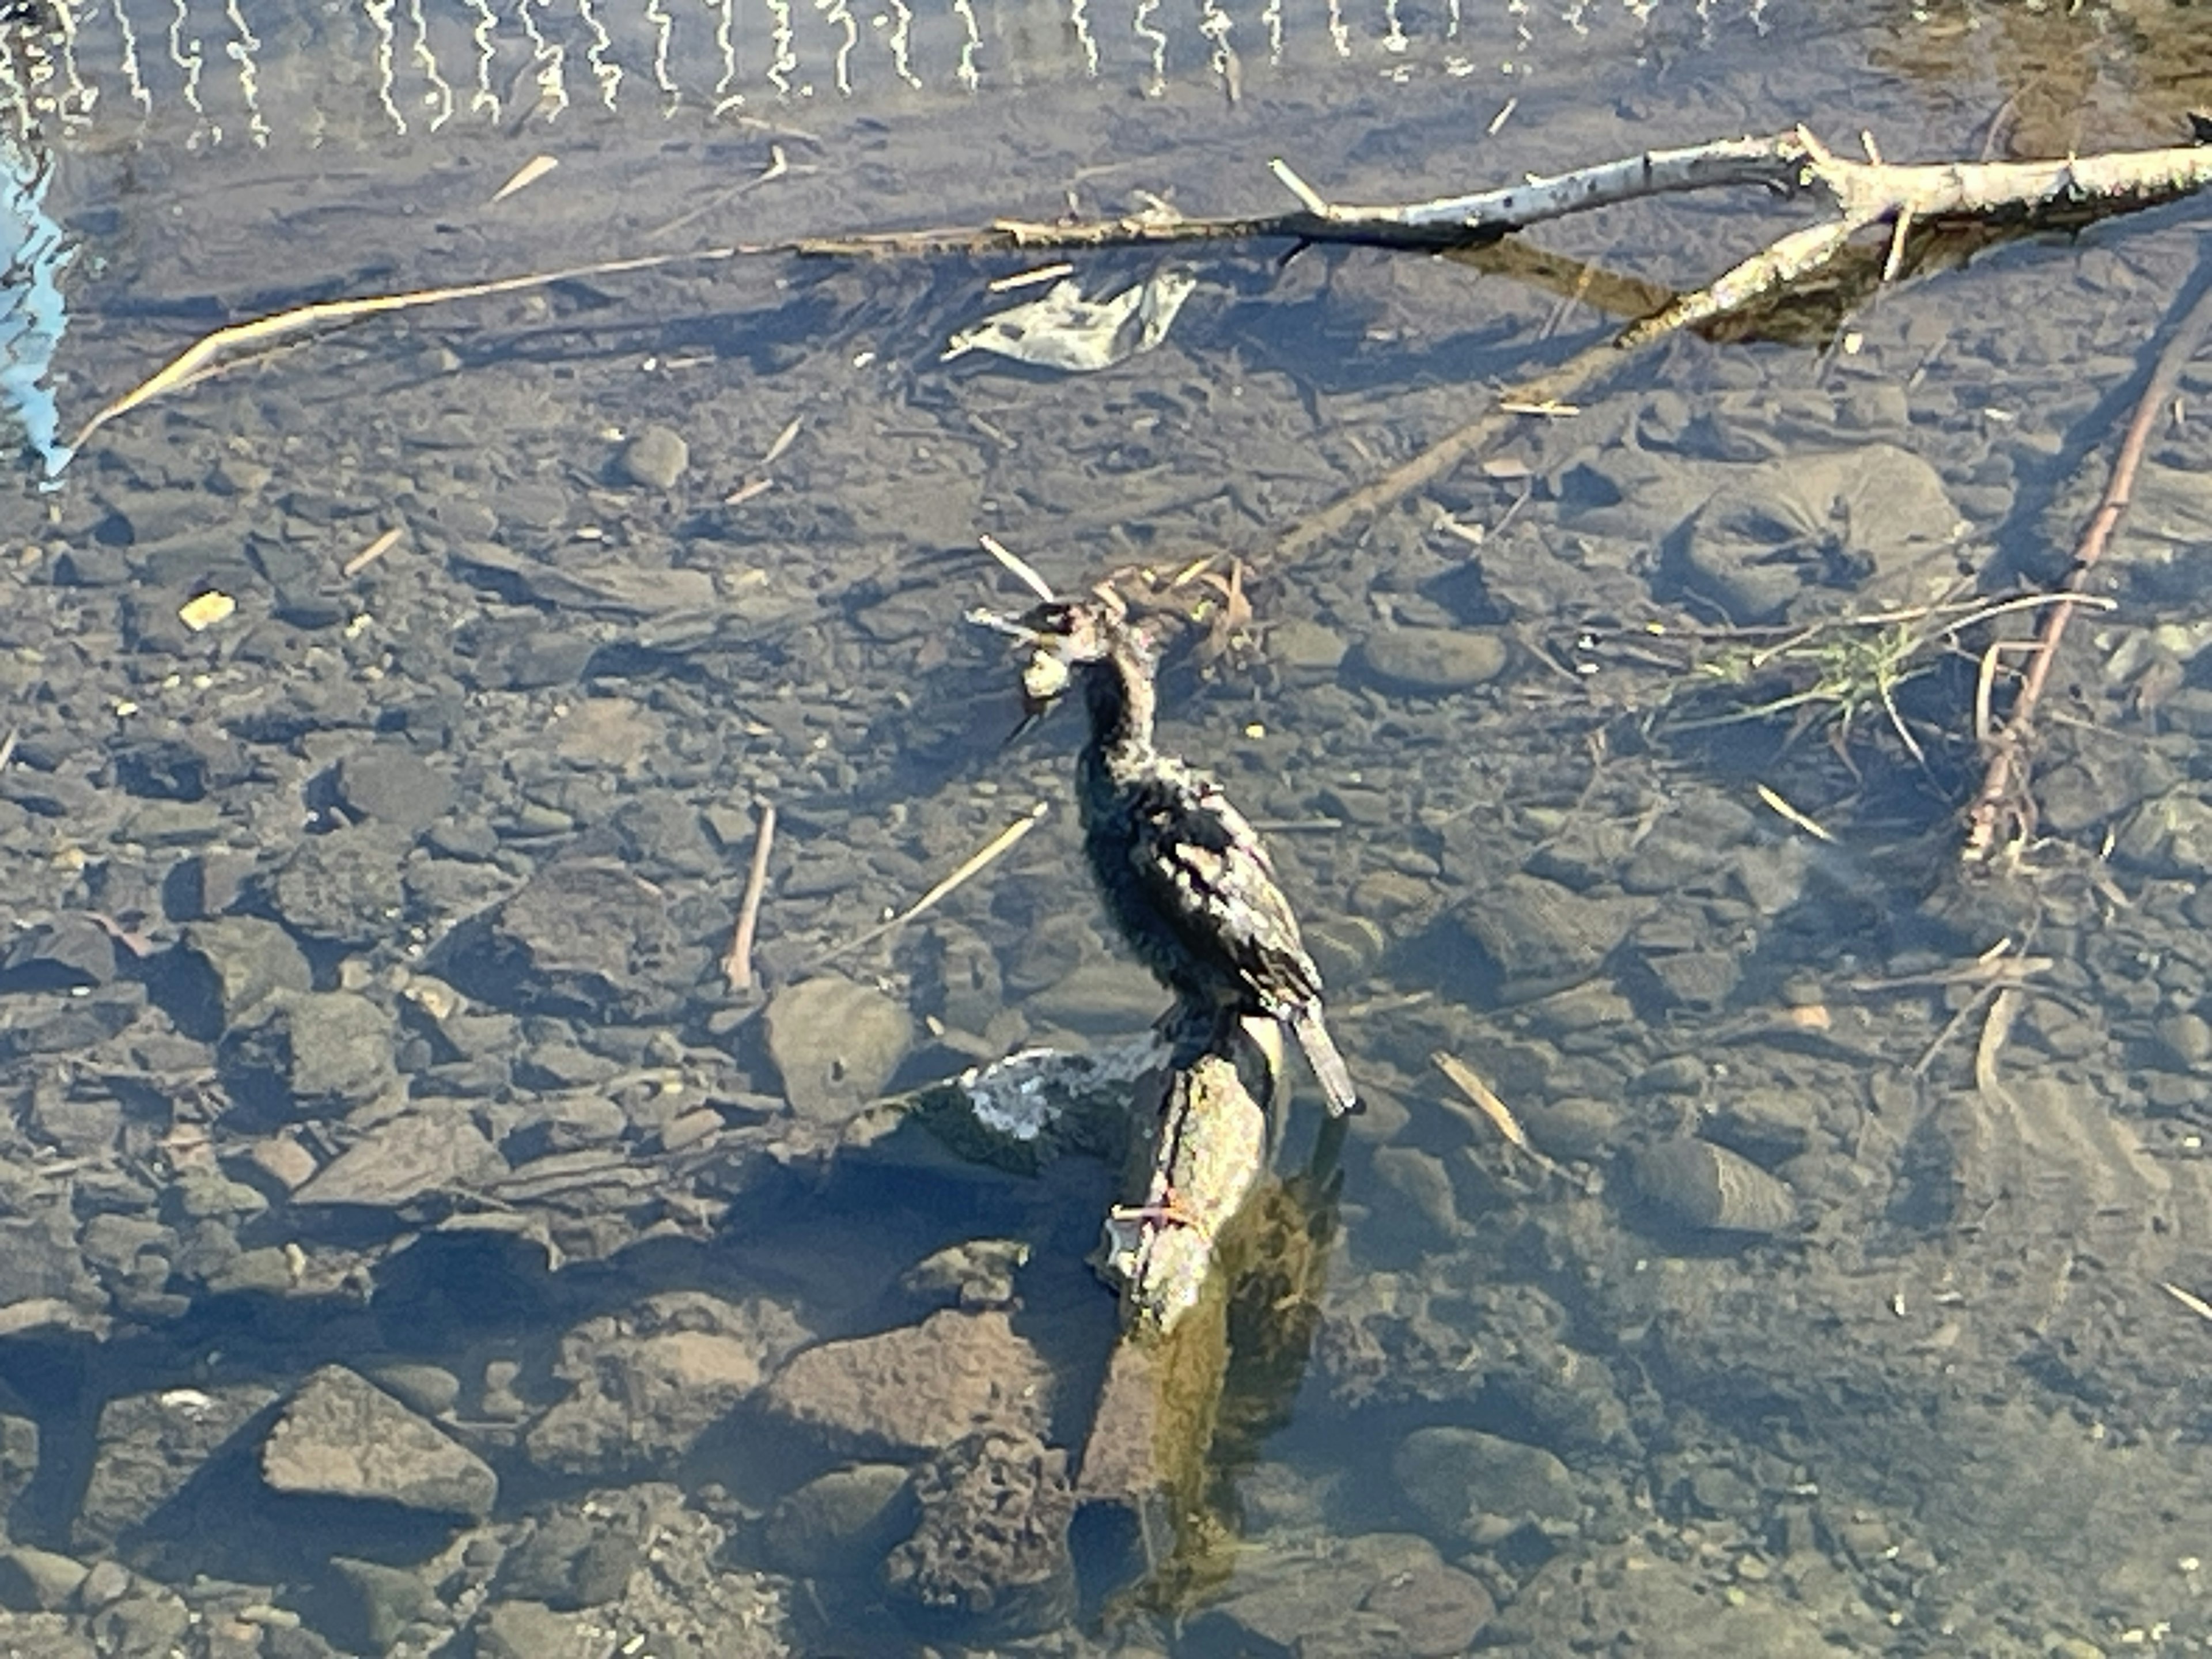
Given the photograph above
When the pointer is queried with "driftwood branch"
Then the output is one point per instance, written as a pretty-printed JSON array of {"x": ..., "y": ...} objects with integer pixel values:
[
  {"x": 1857, "y": 195},
  {"x": 2003, "y": 814}
]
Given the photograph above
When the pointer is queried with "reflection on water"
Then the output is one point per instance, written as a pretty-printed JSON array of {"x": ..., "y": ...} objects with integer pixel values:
[
  {"x": 413, "y": 1241},
  {"x": 34, "y": 316}
]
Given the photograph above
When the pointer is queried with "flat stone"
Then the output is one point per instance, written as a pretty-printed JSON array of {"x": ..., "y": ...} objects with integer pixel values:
[
  {"x": 38, "y": 1581},
  {"x": 394, "y": 785},
  {"x": 1431, "y": 661},
  {"x": 1456, "y": 1477},
  {"x": 415, "y": 1156},
  {"x": 645, "y": 1384},
  {"x": 1543, "y": 935},
  {"x": 835, "y": 1044},
  {"x": 342, "y": 1437},
  {"x": 656, "y": 458},
  {"x": 585, "y": 936},
  {"x": 906, "y": 1392},
  {"x": 224, "y": 967},
  {"x": 149, "y": 1447},
  {"x": 839, "y": 1524},
  {"x": 310, "y": 1054}
]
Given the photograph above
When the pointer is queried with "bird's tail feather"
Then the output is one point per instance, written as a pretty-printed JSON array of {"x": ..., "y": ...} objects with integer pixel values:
[{"x": 1329, "y": 1066}]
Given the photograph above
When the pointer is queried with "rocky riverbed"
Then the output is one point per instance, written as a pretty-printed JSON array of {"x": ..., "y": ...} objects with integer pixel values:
[{"x": 415, "y": 1243}]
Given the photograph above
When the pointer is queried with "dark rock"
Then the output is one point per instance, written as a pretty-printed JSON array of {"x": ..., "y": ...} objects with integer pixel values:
[
  {"x": 647, "y": 1383},
  {"x": 905, "y": 1393},
  {"x": 418, "y": 1157},
  {"x": 393, "y": 1603},
  {"x": 1698, "y": 1185},
  {"x": 988, "y": 1560},
  {"x": 38, "y": 1581},
  {"x": 393, "y": 786},
  {"x": 149, "y": 1626},
  {"x": 69, "y": 953},
  {"x": 1376, "y": 1593},
  {"x": 1431, "y": 661},
  {"x": 345, "y": 887},
  {"x": 148, "y": 1446},
  {"x": 342, "y": 1437},
  {"x": 63, "y": 1023},
  {"x": 311, "y": 1054},
  {"x": 180, "y": 767},
  {"x": 1460, "y": 1479},
  {"x": 580, "y": 1555},
  {"x": 1542, "y": 935},
  {"x": 585, "y": 936},
  {"x": 223, "y": 968},
  {"x": 840, "y": 1524}
]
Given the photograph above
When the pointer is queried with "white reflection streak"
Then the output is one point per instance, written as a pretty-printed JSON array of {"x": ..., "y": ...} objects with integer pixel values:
[
  {"x": 608, "y": 72},
  {"x": 483, "y": 98},
  {"x": 187, "y": 61},
  {"x": 1272, "y": 20},
  {"x": 780, "y": 37},
  {"x": 552, "y": 60},
  {"x": 241, "y": 52},
  {"x": 380, "y": 14},
  {"x": 664, "y": 28},
  {"x": 1395, "y": 41},
  {"x": 840, "y": 17},
  {"x": 1340, "y": 36},
  {"x": 442, "y": 92},
  {"x": 1142, "y": 26},
  {"x": 971, "y": 77},
  {"x": 1215, "y": 24},
  {"x": 726, "y": 23},
  {"x": 131, "y": 76},
  {"x": 76, "y": 103},
  {"x": 902, "y": 42},
  {"x": 1079, "y": 19}
]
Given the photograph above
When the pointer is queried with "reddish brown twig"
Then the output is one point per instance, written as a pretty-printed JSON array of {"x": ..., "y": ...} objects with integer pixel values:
[
  {"x": 2002, "y": 813},
  {"x": 738, "y": 965}
]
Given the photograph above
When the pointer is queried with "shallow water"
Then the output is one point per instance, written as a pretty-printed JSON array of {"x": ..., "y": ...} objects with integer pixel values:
[{"x": 365, "y": 1007}]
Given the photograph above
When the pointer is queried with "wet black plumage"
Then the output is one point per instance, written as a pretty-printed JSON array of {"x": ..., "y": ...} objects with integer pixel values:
[{"x": 1185, "y": 877}]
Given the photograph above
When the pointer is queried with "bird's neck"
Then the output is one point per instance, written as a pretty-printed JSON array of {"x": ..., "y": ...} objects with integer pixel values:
[{"x": 1119, "y": 693}]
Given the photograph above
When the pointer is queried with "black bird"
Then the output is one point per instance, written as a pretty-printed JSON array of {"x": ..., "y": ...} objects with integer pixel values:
[{"x": 1185, "y": 877}]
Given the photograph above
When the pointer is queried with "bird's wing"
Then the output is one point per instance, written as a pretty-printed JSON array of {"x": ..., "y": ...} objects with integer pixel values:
[{"x": 1207, "y": 872}]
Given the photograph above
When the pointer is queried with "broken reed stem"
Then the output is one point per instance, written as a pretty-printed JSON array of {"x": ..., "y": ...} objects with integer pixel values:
[
  {"x": 993, "y": 850},
  {"x": 738, "y": 965},
  {"x": 2002, "y": 812}
]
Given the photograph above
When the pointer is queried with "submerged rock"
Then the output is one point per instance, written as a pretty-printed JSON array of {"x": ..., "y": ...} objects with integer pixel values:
[
  {"x": 1431, "y": 661},
  {"x": 342, "y": 1437},
  {"x": 647, "y": 1383},
  {"x": 989, "y": 1559},
  {"x": 1798, "y": 537},
  {"x": 906, "y": 1392},
  {"x": 1474, "y": 1487},
  {"x": 1697, "y": 1184},
  {"x": 835, "y": 1045}
]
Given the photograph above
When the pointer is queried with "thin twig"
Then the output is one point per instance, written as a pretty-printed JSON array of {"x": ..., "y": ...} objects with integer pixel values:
[
  {"x": 2002, "y": 811},
  {"x": 993, "y": 850},
  {"x": 211, "y": 354},
  {"x": 738, "y": 965}
]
